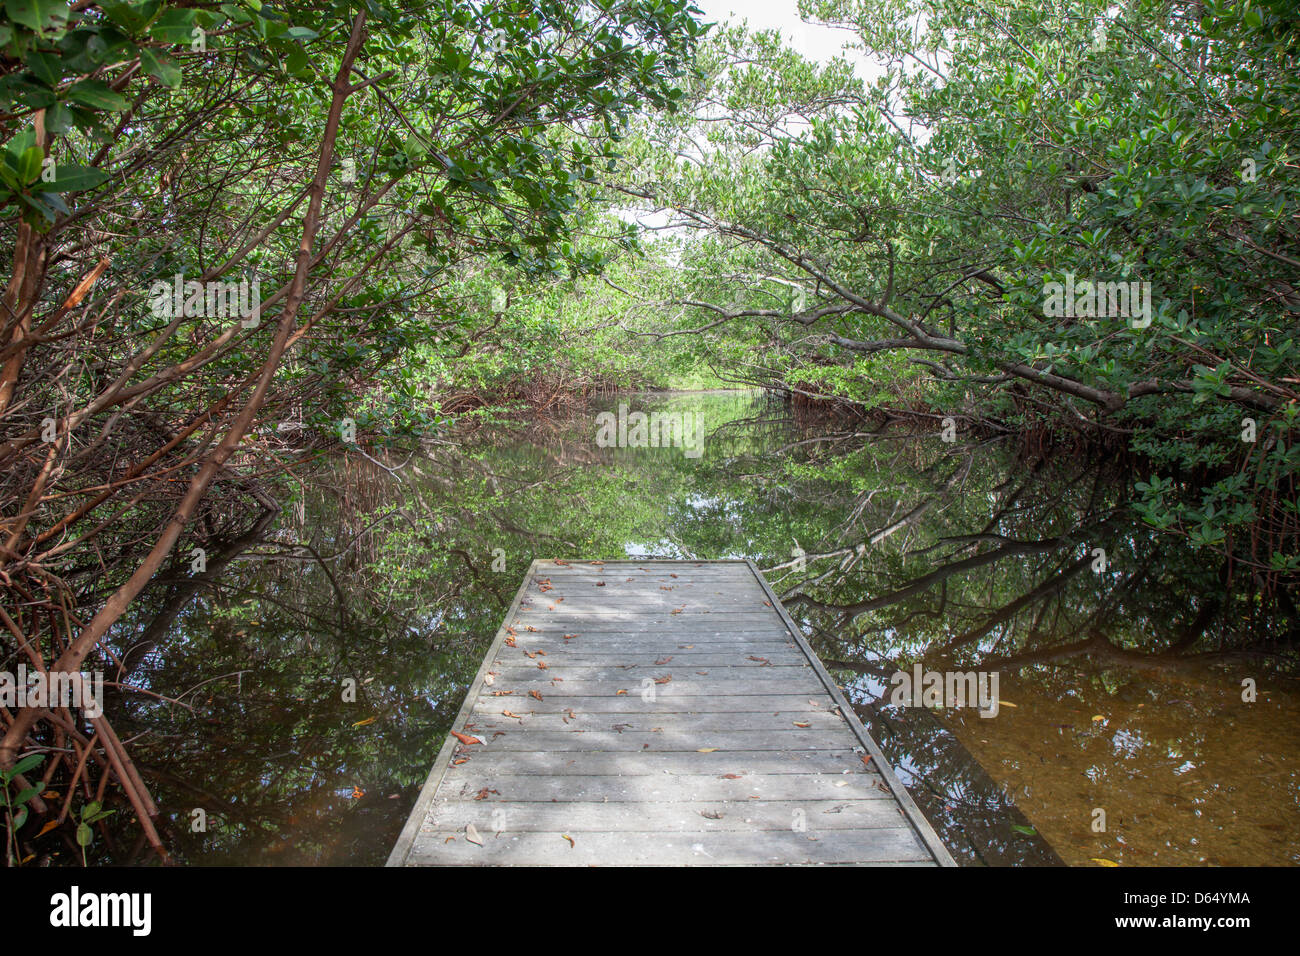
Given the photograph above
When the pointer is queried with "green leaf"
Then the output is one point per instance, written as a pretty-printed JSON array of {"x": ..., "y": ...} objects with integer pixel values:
[
  {"x": 54, "y": 202},
  {"x": 29, "y": 164},
  {"x": 37, "y": 15},
  {"x": 25, "y": 795},
  {"x": 174, "y": 26},
  {"x": 84, "y": 834},
  {"x": 70, "y": 179},
  {"x": 45, "y": 67},
  {"x": 161, "y": 68},
  {"x": 1027, "y": 831},
  {"x": 133, "y": 17},
  {"x": 58, "y": 119},
  {"x": 27, "y": 763},
  {"x": 20, "y": 817},
  {"x": 98, "y": 95}
]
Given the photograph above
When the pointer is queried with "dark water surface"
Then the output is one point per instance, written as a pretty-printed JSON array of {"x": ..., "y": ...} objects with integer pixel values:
[{"x": 316, "y": 666}]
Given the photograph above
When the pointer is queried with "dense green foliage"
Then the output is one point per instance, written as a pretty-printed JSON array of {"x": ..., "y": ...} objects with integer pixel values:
[
  {"x": 1069, "y": 222},
  {"x": 894, "y": 240}
]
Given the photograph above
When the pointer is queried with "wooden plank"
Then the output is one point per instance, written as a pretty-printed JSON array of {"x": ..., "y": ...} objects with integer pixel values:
[
  {"x": 406, "y": 839},
  {"x": 769, "y": 847},
  {"x": 684, "y": 721},
  {"x": 741, "y": 654},
  {"x": 581, "y": 763},
  {"x": 676, "y": 723},
  {"x": 519, "y": 701},
  {"x": 914, "y": 815},
  {"x": 529, "y": 672},
  {"x": 696, "y": 687},
  {"x": 614, "y": 788},
  {"x": 664, "y": 741},
  {"x": 500, "y": 814}
]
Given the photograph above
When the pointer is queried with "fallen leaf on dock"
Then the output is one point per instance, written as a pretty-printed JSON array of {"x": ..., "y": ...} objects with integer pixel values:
[
  {"x": 570, "y": 839},
  {"x": 664, "y": 660},
  {"x": 535, "y": 694},
  {"x": 471, "y": 834},
  {"x": 483, "y": 794},
  {"x": 802, "y": 723},
  {"x": 706, "y": 750},
  {"x": 467, "y": 739}
]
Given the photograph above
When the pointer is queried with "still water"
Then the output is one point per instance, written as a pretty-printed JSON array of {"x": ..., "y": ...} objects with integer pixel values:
[{"x": 313, "y": 670}]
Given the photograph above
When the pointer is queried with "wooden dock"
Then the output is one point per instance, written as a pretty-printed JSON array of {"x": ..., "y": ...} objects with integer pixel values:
[{"x": 658, "y": 713}]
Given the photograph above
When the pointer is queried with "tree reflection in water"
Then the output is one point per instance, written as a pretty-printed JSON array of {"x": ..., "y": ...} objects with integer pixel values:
[{"x": 1121, "y": 686}]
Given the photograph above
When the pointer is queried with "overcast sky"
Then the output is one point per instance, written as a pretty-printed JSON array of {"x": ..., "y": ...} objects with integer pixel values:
[{"x": 815, "y": 42}]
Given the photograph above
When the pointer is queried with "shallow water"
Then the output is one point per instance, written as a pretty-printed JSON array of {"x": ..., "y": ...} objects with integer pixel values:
[{"x": 327, "y": 649}]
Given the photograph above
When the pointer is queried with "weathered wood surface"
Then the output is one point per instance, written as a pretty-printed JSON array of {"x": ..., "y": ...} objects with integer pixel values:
[{"x": 658, "y": 713}]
